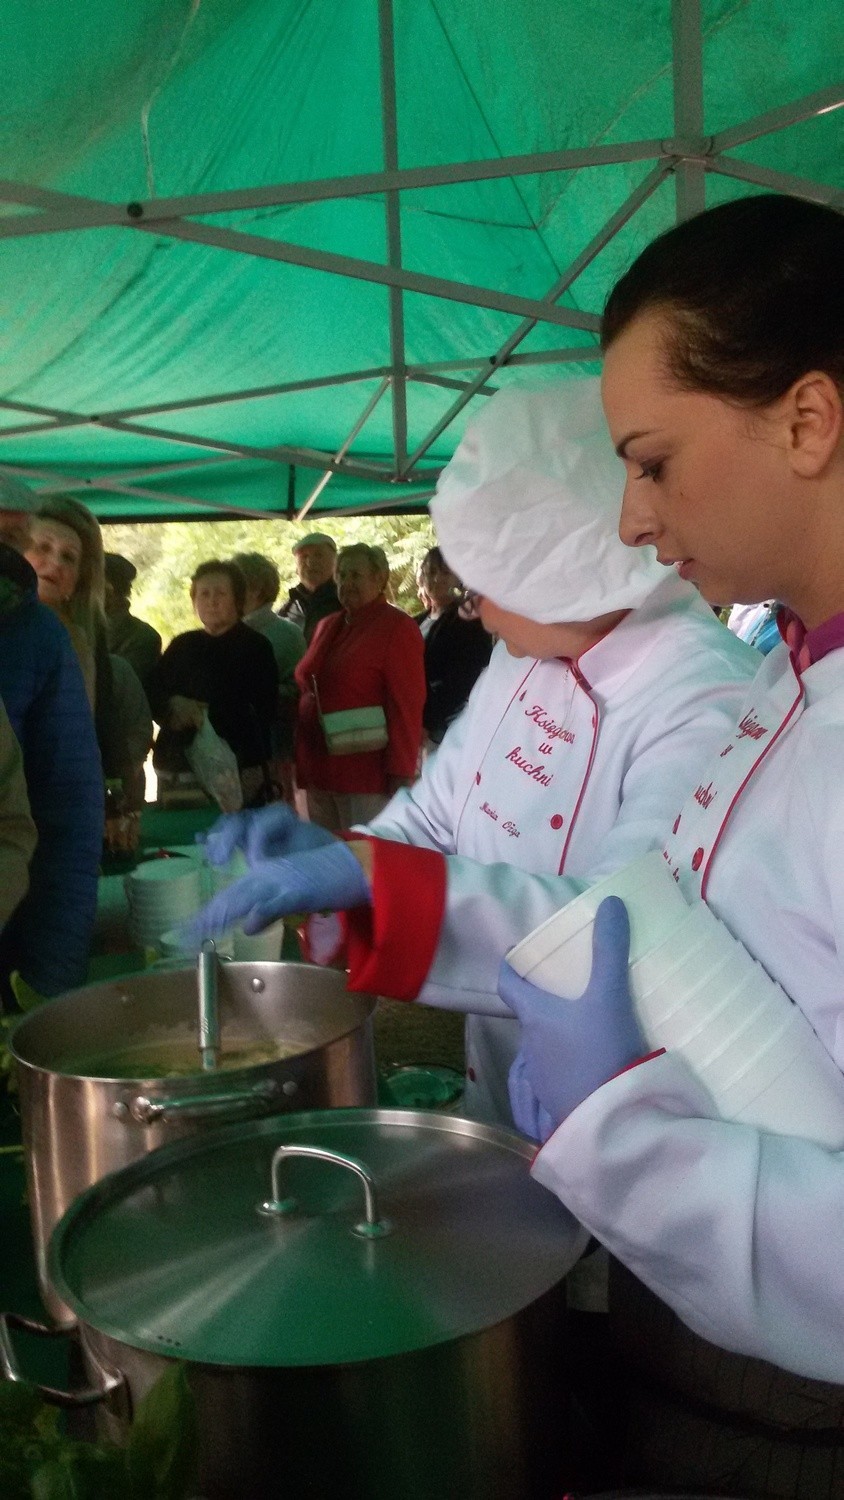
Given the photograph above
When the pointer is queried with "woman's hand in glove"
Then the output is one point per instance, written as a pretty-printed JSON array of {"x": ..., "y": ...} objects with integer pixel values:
[
  {"x": 326, "y": 879},
  {"x": 529, "y": 1115},
  {"x": 272, "y": 832},
  {"x": 569, "y": 1048}
]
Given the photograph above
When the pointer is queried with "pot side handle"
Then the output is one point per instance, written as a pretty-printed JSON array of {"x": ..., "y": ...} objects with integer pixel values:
[
  {"x": 145, "y": 1111},
  {"x": 85, "y": 1396}
]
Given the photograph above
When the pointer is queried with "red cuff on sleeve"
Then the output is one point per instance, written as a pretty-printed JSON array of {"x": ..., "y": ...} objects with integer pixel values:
[{"x": 391, "y": 944}]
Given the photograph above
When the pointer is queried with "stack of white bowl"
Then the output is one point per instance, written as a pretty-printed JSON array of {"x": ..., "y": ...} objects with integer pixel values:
[
  {"x": 261, "y": 946},
  {"x": 161, "y": 894},
  {"x": 697, "y": 990}
]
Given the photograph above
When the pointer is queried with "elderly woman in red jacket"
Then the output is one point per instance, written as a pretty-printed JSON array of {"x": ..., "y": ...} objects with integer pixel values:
[{"x": 362, "y": 683}]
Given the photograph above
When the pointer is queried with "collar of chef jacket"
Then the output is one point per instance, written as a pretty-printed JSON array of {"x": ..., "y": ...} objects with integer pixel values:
[
  {"x": 614, "y": 659},
  {"x": 810, "y": 646}
]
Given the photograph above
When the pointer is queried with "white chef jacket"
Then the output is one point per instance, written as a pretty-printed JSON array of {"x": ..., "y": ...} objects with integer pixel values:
[
  {"x": 555, "y": 771},
  {"x": 740, "y": 1231}
]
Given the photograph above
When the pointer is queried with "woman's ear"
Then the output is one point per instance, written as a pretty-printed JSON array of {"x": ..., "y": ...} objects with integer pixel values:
[{"x": 815, "y": 417}]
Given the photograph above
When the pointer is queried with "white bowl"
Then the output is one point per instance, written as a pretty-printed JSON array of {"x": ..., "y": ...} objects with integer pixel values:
[{"x": 160, "y": 871}]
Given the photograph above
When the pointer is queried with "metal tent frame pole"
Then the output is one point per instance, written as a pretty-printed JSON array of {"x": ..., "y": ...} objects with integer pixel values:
[
  {"x": 822, "y": 102},
  {"x": 345, "y": 445},
  {"x": 63, "y": 482},
  {"x": 687, "y": 72},
  {"x": 777, "y": 182},
  {"x": 392, "y": 209},
  {"x": 56, "y": 419},
  {"x": 689, "y": 154},
  {"x": 65, "y": 211},
  {"x": 503, "y": 355}
]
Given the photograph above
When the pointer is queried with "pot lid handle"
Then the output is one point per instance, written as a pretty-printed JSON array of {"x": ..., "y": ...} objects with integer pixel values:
[{"x": 373, "y": 1226}]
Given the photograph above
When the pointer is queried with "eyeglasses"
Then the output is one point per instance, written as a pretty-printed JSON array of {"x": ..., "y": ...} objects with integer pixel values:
[{"x": 468, "y": 603}]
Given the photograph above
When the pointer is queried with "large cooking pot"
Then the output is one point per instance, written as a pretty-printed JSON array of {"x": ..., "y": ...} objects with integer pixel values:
[
  {"x": 81, "y": 1122},
  {"x": 369, "y": 1304}
]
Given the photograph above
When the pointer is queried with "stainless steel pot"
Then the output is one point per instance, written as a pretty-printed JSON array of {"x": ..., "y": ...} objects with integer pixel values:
[
  {"x": 370, "y": 1303},
  {"x": 79, "y": 1125}
]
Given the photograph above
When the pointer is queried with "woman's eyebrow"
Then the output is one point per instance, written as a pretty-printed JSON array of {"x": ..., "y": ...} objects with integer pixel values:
[{"x": 621, "y": 448}]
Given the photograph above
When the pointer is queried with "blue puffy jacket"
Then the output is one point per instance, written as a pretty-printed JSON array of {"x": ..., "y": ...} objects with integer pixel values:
[{"x": 41, "y": 685}]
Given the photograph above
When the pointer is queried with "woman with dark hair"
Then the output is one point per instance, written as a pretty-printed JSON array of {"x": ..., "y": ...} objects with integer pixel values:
[
  {"x": 224, "y": 669},
  {"x": 456, "y": 649},
  {"x": 724, "y": 392}
]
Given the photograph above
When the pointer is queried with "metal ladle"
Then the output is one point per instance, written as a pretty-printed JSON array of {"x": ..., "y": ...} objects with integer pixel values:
[{"x": 209, "y": 1013}]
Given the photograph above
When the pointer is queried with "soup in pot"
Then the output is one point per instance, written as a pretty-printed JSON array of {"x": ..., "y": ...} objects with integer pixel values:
[{"x": 170, "y": 1055}]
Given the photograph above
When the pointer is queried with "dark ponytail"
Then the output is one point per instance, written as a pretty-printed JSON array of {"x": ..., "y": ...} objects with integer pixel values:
[{"x": 753, "y": 293}]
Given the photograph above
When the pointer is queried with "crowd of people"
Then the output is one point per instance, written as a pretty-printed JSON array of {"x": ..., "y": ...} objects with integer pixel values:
[
  {"x": 89, "y": 691},
  {"x": 568, "y": 700}
]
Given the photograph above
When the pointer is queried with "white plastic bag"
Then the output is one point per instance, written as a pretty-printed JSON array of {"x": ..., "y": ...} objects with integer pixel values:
[{"x": 214, "y": 764}]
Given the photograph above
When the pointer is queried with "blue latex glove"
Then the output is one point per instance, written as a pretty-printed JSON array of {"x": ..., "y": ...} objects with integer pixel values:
[
  {"x": 266, "y": 833},
  {"x": 528, "y": 1114},
  {"x": 569, "y": 1048},
  {"x": 327, "y": 879}
]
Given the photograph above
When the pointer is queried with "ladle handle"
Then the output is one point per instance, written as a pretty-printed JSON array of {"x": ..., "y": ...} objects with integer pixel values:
[
  {"x": 209, "y": 1010},
  {"x": 373, "y": 1226},
  {"x": 85, "y": 1396}
]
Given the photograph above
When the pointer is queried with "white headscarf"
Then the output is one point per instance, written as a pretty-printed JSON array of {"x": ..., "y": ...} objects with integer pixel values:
[{"x": 527, "y": 511}]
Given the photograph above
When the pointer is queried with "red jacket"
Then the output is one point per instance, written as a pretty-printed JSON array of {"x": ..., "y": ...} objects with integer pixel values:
[{"x": 374, "y": 656}]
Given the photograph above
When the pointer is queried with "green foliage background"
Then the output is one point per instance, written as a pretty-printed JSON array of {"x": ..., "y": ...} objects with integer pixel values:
[{"x": 167, "y": 554}]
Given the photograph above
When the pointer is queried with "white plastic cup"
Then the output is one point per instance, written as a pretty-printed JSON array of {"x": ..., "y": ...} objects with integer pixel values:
[
  {"x": 711, "y": 1010},
  {"x": 800, "y": 1102},
  {"x": 720, "y": 1046},
  {"x": 790, "y": 1087},
  {"x": 697, "y": 991},
  {"x": 678, "y": 961},
  {"x": 692, "y": 996},
  {"x": 170, "y": 945},
  {"x": 261, "y": 947},
  {"x": 225, "y": 875},
  {"x": 558, "y": 955}
]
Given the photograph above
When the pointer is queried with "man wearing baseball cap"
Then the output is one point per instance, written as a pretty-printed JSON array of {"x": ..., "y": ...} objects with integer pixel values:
[
  {"x": 133, "y": 639},
  {"x": 315, "y": 595}
]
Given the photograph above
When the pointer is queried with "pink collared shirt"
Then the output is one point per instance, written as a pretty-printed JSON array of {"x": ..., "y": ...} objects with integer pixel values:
[{"x": 810, "y": 646}]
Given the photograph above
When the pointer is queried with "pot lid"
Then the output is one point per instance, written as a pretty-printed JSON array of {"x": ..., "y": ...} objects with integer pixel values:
[{"x": 209, "y": 1250}]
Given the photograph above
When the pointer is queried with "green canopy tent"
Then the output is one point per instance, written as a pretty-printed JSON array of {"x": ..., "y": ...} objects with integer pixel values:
[{"x": 267, "y": 256}]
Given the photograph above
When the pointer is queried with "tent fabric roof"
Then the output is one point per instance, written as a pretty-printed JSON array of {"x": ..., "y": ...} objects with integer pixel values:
[{"x": 254, "y": 247}]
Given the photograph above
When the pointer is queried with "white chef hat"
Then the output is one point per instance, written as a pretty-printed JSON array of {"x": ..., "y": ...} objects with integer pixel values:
[{"x": 527, "y": 511}]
